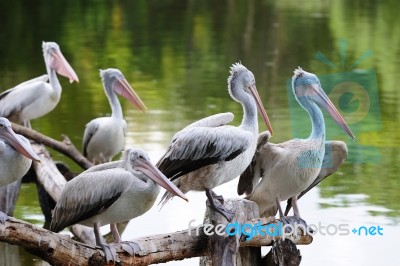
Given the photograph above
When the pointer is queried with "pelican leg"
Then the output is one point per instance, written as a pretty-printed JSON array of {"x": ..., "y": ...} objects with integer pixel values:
[
  {"x": 115, "y": 233},
  {"x": 278, "y": 204},
  {"x": 109, "y": 252},
  {"x": 217, "y": 206},
  {"x": 292, "y": 220},
  {"x": 128, "y": 246},
  {"x": 296, "y": 213},
  {"x": 3, "y": 217}
]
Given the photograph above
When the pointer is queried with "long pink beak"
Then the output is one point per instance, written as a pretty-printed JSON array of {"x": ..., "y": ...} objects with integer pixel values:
[
  {"x": 61, "y": 65},
  {"x": 122, "y": 87},
  {"x": 260, "y": 106},
  {"x": 152, "y": 172},
  {"x": 326, "y": 103},
  {"x": 19, "y": 145}
]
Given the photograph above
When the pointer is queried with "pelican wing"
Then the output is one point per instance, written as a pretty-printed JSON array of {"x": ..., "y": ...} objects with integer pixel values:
[
  {"x": 87, "y": 195},
  {"x": 195, "y": 147},
  {"x": 42, "y": 78},
  {"x": 249, "y": 178},
  {"x": 90, "y": 129},
  {"x": 213, "y": 120},
  {"x": 335, "y": 155},
  {"x": 105, "y": 166},
  {"x": 13, "y": 100}
]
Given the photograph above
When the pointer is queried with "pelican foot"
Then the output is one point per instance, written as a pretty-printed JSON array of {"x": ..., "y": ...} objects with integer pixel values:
[
  {"x": 110, "y": 252},
  {"x": 295, "y": 222},
  {"x": 218, "y": 207},
  {"x": 130, "y": 247},
  {"x": 3, "y": 217},
  {"x": 218, "y": 197}
]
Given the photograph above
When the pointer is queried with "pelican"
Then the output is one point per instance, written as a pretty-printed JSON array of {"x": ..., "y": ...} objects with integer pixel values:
[
  {"x": 102, "y": 131},
  {"x": 289, "y": 169},
  {"x": 35, "y": 98},
  {"x": 110, "y": 193},
  {"x": 16, "y": 155},
  {"x": 208, "y": 153}
]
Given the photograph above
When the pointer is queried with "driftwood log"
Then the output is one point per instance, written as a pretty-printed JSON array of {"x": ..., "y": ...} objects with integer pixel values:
[
  {"x": 224, "y": 249},
  {"x": 283, "y": 253},
  {"x": 60, "y": 249}
]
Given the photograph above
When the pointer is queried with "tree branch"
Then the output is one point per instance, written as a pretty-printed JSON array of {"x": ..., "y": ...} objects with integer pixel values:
[
  {"x": 60, "y": 249},
  {"x": 66, "y": 147}
]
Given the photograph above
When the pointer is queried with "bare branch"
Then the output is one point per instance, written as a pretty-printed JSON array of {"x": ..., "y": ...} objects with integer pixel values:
[
  {"x": 59, "y": 249},
  {"x": 66, "y": 147}
]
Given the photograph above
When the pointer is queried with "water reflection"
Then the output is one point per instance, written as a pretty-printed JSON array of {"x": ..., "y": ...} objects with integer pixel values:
[{"x": 176, "y": 54}]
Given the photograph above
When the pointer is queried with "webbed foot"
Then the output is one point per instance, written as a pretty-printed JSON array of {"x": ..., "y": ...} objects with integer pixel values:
[
  {"x": 130, "y": 247},
  {"x": 110, "y": 252},
  {"x": 295, "y": 222},
  {"x": 3, "y": 217},
  {"x": 215, "y": 203}
]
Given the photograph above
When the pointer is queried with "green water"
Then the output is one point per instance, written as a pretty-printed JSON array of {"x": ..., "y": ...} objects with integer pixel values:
[{"x": 176, "y": 54}]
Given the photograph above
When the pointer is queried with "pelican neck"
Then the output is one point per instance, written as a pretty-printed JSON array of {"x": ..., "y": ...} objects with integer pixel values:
[{"x": 116, "y": 109}]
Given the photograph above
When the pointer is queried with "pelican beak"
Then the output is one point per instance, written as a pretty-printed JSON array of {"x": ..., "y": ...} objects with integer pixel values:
[
  {"x": 152, "y": 172},
  {"x": 61, "y": 65},
  {"x": 20, "y": 145},
  {"x": 122, "y": 87},
  {"x": 323, "y": 100},
  {"x": 260, "y": 107}
]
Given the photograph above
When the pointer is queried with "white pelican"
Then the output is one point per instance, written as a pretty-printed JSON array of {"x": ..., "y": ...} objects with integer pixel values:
[
  {"x": 293, "y": 167},
  {"x": 104, "y": 136},
  {"x": 111, "y": 193},
  {"x": 35, "y": 98},
  {"x": 209, "y": 152},
  {"x": 16, "y": 155}
]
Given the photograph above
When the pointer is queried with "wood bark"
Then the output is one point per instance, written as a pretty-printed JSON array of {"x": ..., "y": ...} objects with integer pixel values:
[
  {"x": 283, "y": 253},
  {"x": 60, "y": 249},
  {"x": 223, "y": 249}
]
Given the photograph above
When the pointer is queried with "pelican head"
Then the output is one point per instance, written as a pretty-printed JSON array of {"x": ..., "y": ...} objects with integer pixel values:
[
  {"x": 114, "y": 79},
  {"x": 138, "y": 160},
  {"x": 242, "y": 82},
  {"x": 55, "y": 60},
  {"x": 20, "y": 145},
  {"x": 308, "y": 90}
]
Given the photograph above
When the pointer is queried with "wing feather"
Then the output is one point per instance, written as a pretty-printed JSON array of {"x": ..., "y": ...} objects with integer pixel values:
[
  {"x": 87, "y": 195},
  {"x": 216, "y": 120},
  {"x": 195, "y": 147},
  {"x": 13, "y": 100},
  {"x": 249, "y": 178},
  {"x": 90, "y": 129}
]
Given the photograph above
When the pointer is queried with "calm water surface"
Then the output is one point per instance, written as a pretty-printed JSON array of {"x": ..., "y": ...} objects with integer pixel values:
[{"x": 176, "y": 54}]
